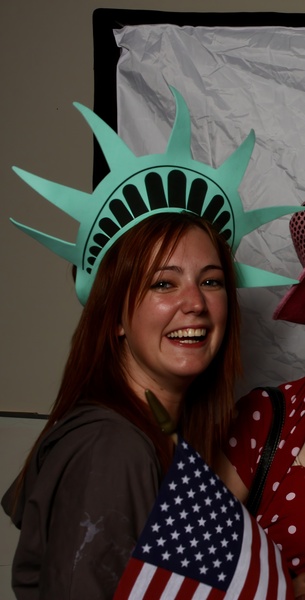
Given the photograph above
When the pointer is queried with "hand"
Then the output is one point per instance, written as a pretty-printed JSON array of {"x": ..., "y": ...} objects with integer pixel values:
[{"x": 299, "y": 586}]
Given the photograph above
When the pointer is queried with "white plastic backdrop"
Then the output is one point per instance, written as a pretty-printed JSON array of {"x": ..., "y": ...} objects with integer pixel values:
[{"x": 233, "y": 79}]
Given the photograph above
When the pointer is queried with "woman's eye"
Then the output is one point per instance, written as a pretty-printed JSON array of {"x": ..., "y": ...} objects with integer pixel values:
[
  {"x": 216, "y": 283},
  {"x": 161, "y": 285}
]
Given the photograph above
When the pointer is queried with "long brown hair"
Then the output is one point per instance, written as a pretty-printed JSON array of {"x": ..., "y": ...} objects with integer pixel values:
[{"x": 94, "y": 371}]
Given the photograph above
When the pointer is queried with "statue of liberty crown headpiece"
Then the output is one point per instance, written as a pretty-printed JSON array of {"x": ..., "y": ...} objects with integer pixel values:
[{"x": 138, "y": 187}]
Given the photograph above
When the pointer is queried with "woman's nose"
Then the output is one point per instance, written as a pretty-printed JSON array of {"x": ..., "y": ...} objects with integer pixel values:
[{"x": 193, "y": 300}]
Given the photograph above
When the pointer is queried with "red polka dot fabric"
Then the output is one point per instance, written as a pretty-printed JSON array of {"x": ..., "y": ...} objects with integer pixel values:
[
  {"x": 282, "y": 510},
  {"x": 297, "y": 230}
]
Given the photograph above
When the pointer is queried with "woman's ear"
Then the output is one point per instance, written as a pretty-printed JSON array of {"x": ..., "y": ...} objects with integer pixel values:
[{"x": 120, "y": 330}]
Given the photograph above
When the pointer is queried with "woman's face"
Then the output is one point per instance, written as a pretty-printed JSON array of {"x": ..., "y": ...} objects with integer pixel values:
[{"x": 177, "y": 329}]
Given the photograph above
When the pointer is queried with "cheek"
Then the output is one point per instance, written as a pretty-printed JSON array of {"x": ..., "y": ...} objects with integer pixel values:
[{"x": 221, "y": 310}]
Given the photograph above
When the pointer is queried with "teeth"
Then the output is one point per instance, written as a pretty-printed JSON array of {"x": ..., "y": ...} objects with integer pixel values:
[{"x": 187, "y": 333}]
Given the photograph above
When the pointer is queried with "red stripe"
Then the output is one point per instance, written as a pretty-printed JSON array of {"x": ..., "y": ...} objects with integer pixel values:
[
  {"x": 187, "y": 589},
  {"x": 128, "y": 579},
  {"x": 253, "y": 575},
  {"x": 157, "y": 584},
  {"x": 216, "y": 594}
]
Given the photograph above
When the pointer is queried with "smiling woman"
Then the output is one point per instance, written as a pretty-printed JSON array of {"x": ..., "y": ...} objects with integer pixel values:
[
  {"x": 154, "y": 272},
  {"x": 162, "y": 314}
]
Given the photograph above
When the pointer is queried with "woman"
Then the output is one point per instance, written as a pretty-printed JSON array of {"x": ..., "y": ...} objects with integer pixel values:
[
  {"x": 158, "y": 287},
  {"x": 94, "y": 473}
]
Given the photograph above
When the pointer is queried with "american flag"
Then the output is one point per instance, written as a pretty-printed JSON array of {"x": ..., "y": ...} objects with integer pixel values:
[{"x": 200, "y": 543}]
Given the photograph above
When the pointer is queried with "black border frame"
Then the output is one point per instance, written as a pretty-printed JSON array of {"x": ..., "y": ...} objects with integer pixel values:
[{"x": 106, "y": 53}]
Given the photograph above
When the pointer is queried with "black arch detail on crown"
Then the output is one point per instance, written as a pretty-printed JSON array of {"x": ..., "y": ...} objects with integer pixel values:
[
  {"x": 176, "y": 189},
  {"x": 197, "y": 195},
  {"x": 155, "y": 191},
  {"x": 156, "y": 194},
  {"x": 108, "y": 226},
  {"x": 121, "y": 213},
  {"x": 134, "y": 200}
]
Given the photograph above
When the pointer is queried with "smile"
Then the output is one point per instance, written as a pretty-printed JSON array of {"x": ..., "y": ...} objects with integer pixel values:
[{"x": 189, "y": 336}]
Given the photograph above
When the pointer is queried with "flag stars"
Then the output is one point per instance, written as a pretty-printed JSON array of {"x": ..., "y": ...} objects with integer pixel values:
[
  {"x": 178, "y": 500},
  {"x": 175, "y": 535},
  {"x": 164, "y": 507},
  {"x": 213, "y": 515},
  {"x": 213, "y": 480},
  {"x": 199, "y": 556},
  {"x": 161, "y": 541},
  {"x": 221, "y": 577},
  {"x": 180, "y": 549},
  {"x": 180, "y": 465},
  {"x": 208, "y": 501},
  {"x": 191, "y": 493},
  {"x": 192, "y": 459},
  {"x": 183, "y": 514},
  {"x": 229, "y": 556},
  {"x": 185, "y": 562},
  {"x": 217, "y": 563},
  {"x": 218, "y": 529},
  {"x": 196, "y": 508},
  {"x": 203, "y": 570},
  {"x": 223, "y": 508},
  {"x": 155, "y": 527},
  {"x": 234, "y": 537},
  {"x": 218, "y": 495},
  {"x": 189, "y": 528},
  {"x": 201, "y": 522},
  {"x": 197, "y": 473},
  {"x": 185, "y": 479},
  {"x": 194, "y": 543},
  {"x": 172, "y": 486},
  {"x": 146, "y": 548},
  {"x": 169, "y": 521},
  {"x": 224, "y": 543},
  {"x": 166, "y": 555},
  {"x": 202, "y": 487},
  {"x": 206, "y": 535},
  {"x": 212, "y": 549}
]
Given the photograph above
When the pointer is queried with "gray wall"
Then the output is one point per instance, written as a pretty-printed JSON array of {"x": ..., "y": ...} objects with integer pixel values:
[{"x": 47, "y": 63}]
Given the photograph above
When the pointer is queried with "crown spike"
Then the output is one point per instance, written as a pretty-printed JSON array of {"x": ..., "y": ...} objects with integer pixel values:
[
  {"x": 62, "y": 248},
  {"x": 253, "y": 219},
  {"x": 234, "y": 167},
  {"x": 71, "y": 201},
  {"x": 115, "y": 150},
  {"x": 249, "y": 277},
  {"x": 179, "y": 144}
]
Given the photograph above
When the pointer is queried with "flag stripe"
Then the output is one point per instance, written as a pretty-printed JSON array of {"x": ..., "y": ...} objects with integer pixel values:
[
  {"x": 254, "y": 571},
  {"x": 205, "y": 592},
  {"x": 158, "y": 584},
  {"x": 268, "y": 573},
  {"x": 187, "y": 589},
  {"x": 128, "y": 579},
  {"x": 241, "y": 572},
  {"x": 282, "y": 581},
  {"x": 173, "y": 587},
  {"x": 142, "y": 582}
]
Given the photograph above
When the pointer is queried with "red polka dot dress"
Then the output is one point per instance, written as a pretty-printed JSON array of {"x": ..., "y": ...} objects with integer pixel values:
[{"x": 282, "y": 509}]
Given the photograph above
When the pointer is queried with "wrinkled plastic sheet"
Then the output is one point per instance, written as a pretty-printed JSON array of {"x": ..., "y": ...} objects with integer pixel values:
[{"x": 233, "y": 79}]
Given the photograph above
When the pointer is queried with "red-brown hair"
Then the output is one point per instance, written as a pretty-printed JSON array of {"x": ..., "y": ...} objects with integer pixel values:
[{"x": 95, "y": 373}]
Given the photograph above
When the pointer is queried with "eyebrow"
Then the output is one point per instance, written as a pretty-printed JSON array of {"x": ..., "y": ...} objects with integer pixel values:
[{"x": 179, "y": 270}]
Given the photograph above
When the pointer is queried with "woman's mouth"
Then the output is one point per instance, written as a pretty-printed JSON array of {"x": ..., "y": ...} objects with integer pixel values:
[{"x": 188, "y": 336}]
